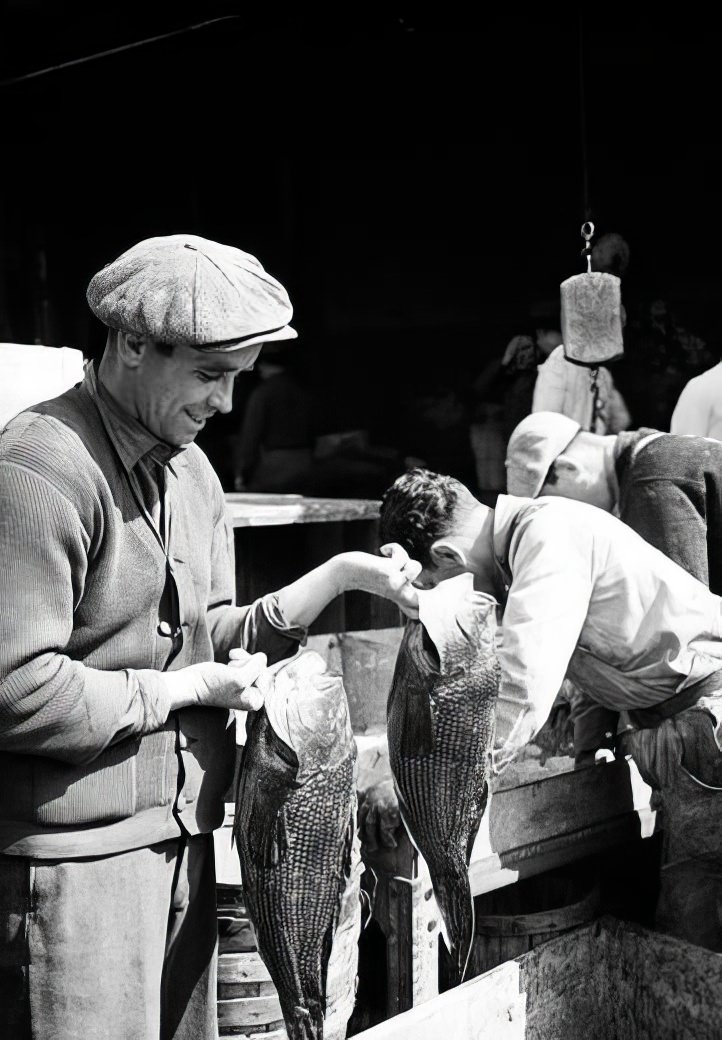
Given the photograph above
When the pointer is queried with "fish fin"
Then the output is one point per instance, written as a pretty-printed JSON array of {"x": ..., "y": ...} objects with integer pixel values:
[
  {"x": 405, "y": 817},
  {"x": 417, "y": 667},
  {"x": 476, "y": 822},
  {"x": 266, "y": 781},
  {"x": 267, "y": 835}
]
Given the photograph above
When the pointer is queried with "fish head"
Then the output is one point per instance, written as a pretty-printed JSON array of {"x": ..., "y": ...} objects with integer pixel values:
[
  {"x": 308, "y": 710},
  {"x": 459, "y": 621}
]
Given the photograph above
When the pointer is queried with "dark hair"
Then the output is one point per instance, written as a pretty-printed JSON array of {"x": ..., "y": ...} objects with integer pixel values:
[
  {"x": 417, "y": 510},
  {"x": 166, "y": 349}
]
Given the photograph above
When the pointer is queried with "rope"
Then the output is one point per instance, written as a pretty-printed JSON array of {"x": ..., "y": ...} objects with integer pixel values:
[{"x": 583, "y": 121}]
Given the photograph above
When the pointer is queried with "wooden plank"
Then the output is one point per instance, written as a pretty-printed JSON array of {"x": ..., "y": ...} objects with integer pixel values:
[
  {"x": 531, "y": 813},
  {"x": 246, "y": 509},
  {"x": 491, "y": 872},
  {"x": 561, "y": 818},
  {"x": 486, "y": 1008},
  {"x": 276, "y": 1031},
  {"x": 242, "y": 967},
  {"x": 232, "y": 990},
  {"x": 252, "y": 1012}
]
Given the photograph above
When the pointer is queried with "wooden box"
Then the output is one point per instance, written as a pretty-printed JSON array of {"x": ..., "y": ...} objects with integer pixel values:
[{"x": 610, "y": 979}]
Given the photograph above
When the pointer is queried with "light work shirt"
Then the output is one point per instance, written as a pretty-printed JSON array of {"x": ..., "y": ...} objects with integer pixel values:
[
  {"x": 699, "y": 408},
  {"x": 588, "y": 598}
]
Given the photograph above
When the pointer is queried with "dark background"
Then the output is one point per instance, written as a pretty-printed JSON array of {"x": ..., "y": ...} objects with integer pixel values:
[{"x": 417, "y": 182}]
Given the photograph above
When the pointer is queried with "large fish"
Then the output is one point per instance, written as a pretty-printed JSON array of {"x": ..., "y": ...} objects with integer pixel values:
[
  {"x": 440, "y": 720},
  {"x": 295, "y": 830}
]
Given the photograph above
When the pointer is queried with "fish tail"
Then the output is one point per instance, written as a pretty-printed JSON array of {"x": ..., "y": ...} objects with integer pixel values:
[
  {"x": 456, "y": 905},
  {"x": 305, "y": 1023}
]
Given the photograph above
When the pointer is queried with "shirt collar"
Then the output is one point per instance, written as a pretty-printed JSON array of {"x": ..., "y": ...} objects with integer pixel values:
[
  {"x": 131, "y": 439},
  {"x": 506, "y": 514}
]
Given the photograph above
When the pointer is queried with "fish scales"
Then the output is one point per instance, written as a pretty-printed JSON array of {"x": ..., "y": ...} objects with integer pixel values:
[
  {"x": 295, "y": 831},
  {"x": 440, "y": 724}
]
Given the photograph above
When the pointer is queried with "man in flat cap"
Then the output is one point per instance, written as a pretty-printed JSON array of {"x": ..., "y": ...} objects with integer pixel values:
[
  {"x": 586, "y": 598},
  {"x": 667, "y": 488},
  {"x": 121, "y": 653}
]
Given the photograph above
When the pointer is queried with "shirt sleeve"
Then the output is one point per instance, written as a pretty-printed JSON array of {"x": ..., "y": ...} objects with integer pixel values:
[
  {"x": 550, "y": 386},
  {"x": 50, "y": 704},
  {"x": 691, "y": 413},
  {"x": 618, "y": 417},
  {"x": 551, "y": 586}
]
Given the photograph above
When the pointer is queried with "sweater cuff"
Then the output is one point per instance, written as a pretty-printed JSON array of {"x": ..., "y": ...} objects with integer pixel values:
[
  {"x": 152, "y": 699},
  {"x": 267, "y": 629}
]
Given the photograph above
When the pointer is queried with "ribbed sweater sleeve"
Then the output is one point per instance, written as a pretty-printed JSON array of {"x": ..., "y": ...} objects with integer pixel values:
[{"x": 49, "y": 704}]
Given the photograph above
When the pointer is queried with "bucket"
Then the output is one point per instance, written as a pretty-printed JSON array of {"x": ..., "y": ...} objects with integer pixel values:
[
  {"x": 248, "y": 1004},
  {"x": 510, "y": 922}
]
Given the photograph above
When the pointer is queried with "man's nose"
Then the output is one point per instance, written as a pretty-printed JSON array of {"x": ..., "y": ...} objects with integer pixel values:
[{"x": 221, "y": 397}]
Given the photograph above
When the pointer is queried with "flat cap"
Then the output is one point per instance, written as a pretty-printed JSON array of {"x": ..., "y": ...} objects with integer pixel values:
[
  {"x": 536, "y": 443},
  {"x": 189, "y": 291}
]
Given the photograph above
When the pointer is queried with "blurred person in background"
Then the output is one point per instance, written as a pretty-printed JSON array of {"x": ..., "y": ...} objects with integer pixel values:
[
  {"x": 699, "y": 407},
  {"x": 436, "y": 431},
  {"x": 274, "y": 450},
  {"x": 502, "y": 393}
]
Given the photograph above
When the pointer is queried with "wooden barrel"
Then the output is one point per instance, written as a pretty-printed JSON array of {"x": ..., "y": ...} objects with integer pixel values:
[
  {"x": 248, "y": 1003},
  {"x": 510, "y": 922}
]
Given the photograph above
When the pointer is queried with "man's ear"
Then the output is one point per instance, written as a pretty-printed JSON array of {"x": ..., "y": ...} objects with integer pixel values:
[
  {"x": 446, "y": 555},
  {"x": 567, "y": 464},
  {"x": 131, "y": 349}
]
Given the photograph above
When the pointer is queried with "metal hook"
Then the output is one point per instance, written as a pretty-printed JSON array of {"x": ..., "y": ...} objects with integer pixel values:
[{"x": 587, "y": 232}]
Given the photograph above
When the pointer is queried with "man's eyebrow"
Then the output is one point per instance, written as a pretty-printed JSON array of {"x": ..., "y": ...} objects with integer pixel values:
[{"x": 216, "y": 371}]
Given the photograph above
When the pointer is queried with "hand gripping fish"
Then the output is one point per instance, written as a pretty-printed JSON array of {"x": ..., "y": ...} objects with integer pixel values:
[
  {"x": 295, "y": 830},
  {"x": 440, "y": 720}
]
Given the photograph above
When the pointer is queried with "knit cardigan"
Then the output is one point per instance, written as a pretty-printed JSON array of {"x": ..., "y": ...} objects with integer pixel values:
[{"x": 90, "y": 758}]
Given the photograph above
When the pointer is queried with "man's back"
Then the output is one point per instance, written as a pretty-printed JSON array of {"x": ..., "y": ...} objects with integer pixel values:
[{"x": 589, "y": 598}]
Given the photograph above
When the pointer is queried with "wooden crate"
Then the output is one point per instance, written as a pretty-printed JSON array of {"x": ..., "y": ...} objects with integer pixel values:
[
  {"x": 248, "y": 1004},
  {"x": 610, "y": 979},
  {"x": 527, "y": 830}
]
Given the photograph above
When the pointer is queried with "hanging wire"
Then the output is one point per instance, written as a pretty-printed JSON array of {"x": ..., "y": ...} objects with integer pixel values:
[
  {"x": 583, "y": 122},
  {"x": 116, "y": 50}
]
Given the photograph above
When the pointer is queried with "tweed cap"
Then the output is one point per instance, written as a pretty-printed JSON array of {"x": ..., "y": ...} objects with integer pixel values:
[
  {"x": 189, "y": 291},
  {"x": 533, "y": 447}
]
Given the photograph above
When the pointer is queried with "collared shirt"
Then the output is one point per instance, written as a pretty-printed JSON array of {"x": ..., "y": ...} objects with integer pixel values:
[
  {"x": 587, "y": 598},
  {"x": 142, "y": 454}
]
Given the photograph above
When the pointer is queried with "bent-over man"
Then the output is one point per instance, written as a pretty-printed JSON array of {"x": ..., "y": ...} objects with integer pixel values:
[
  {"x": 667, "y": 488},
  {"x": 585, "y": 597}
]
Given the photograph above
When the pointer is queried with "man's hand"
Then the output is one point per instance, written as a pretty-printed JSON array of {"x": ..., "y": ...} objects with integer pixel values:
[
  {"x": 389, "y": 575},
  {"x": 239, "y": 685},
  {"x": 379, "y": 816}
]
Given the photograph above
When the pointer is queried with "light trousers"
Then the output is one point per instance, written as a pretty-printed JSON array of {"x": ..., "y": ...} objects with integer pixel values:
[{"x": 119, "y": 947}]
